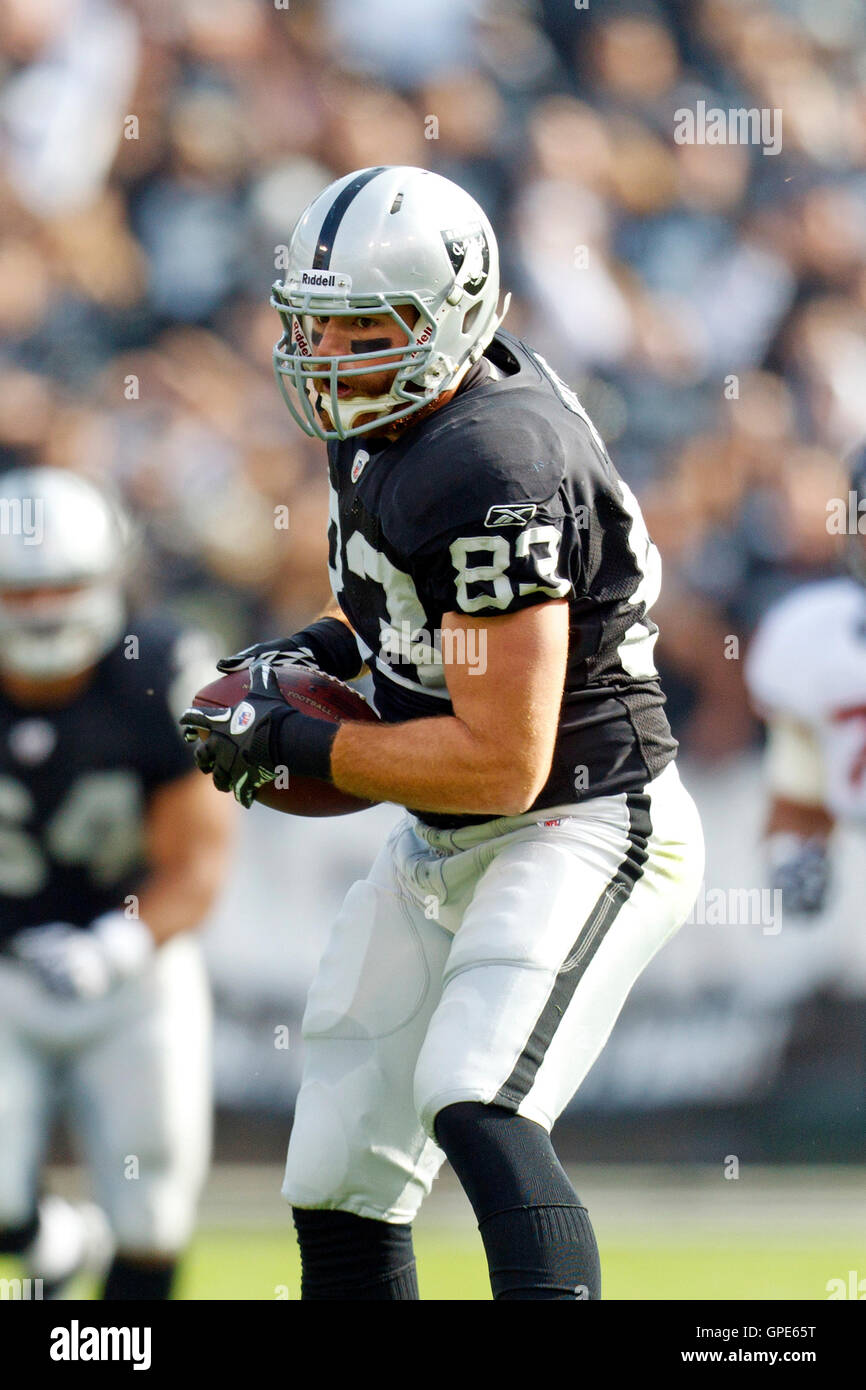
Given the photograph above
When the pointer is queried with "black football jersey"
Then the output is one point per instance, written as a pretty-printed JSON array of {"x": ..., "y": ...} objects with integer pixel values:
[
  {"x": 503, "y": 498},
  {"x": 75, "y": 781}
]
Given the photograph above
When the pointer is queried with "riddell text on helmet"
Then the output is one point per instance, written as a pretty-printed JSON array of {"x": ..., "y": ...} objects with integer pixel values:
[{"x": 325, "y": 279}]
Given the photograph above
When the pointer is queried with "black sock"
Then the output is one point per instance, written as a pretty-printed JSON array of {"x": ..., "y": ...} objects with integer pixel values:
[
  {"x": 537, "y": 1236},
  {"x": 143, "y": 1282},
  {"x": 354, "y": 1258},
  {"x": 14, "y": 1240},
  {"x": 542, "y": 1253}
]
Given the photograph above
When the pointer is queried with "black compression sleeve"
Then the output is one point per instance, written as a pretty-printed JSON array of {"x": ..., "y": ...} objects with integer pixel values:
[
  {"x": 301, "y": 743},
  {"x": 537, "y": 1235},
  {"x": 333, "y": 647}
]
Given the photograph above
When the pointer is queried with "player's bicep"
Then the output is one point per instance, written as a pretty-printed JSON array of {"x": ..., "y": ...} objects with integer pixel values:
[{"x": 505, "y": 677}]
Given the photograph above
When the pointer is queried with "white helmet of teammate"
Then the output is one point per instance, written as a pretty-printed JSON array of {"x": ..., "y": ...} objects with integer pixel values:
[
  {"x": 375, "y": 240},
  {"x": 63, "y": 549}
]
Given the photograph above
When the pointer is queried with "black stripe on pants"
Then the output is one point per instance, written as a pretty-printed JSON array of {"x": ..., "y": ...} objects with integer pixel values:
[{"x": 573, "y": 968}]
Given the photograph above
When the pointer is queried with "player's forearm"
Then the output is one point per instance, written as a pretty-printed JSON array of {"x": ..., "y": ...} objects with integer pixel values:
[
  {"x": 437, "y": 765},
  {"x": 808, "y": 820},
  {"x": 176, "y": 900},
  {"x": 188, "y": 835}
]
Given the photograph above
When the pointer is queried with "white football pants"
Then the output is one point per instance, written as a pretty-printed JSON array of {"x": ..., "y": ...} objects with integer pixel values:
[
  {"x": 132, "y": 1073},
  {"x": 487, "y": 963}
]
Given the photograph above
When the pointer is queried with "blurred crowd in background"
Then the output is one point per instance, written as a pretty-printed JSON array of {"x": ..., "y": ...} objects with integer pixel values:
[{"x": 707, "y": 302}]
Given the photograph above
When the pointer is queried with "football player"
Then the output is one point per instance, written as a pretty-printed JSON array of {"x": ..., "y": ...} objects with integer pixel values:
[
  {"x": 111, "y": 851},
  {"x": 495, "y": 574},
  {"x": 806, "y": 672}
]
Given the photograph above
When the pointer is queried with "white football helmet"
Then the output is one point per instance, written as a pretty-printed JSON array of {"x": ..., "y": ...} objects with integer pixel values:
[
  {"x": 375, "y": 240},
  {"x": 63, "y": 548}
]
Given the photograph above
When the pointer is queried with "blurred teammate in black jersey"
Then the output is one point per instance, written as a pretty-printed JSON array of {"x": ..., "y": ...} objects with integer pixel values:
[
  {"x": 111, "y": 851},
  {"x": 495, "y": 574}
]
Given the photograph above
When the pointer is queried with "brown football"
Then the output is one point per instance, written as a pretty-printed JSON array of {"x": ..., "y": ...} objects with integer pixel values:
[{"x": 321, "y": 697}]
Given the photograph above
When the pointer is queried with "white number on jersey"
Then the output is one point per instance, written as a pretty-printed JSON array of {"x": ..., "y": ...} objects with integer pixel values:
[
  {"x": 546, "y": 538},
  {"x": 636, "y": 647},
  {"x": 97, "y": 824},
  {"x": 403, "y": 607}
]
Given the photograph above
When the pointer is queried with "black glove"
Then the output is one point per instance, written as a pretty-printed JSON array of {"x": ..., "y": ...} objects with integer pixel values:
[
  {"x": 279, "y": 652},
  {"x": 237, "y": 749},
  {"x": 85, "y": 962},
  {"x": 800, "y": 868},
  {"x": 327, "y": 645},
  {"x": 245, "y": 744}
]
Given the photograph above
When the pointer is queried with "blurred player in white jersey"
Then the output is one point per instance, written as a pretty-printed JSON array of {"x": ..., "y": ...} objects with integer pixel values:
[
  {"x": 806, "y": 672},
  {"x": 111, "y": 852}
]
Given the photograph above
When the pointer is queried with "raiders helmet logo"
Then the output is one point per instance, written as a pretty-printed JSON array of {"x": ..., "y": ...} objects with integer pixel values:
[{"x": 469, "y": 254}]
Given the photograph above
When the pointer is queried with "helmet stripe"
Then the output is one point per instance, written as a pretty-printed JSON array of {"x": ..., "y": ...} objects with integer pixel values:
[{"x": 325, "y": 244}]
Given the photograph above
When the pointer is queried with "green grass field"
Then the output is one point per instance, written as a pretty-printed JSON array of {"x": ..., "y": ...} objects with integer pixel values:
[
  {"x": 255, "y": 1264},
  {"x": 664, "y": 1234},
  {"x": 244, "y": 1265}
]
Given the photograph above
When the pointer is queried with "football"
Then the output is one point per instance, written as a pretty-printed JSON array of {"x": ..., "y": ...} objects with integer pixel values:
[{"x": 313, "y": 693}]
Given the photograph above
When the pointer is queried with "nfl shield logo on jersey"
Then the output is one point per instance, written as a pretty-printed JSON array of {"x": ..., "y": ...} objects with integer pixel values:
[
  {"x": 358, "y": 463},
  {"x": 242, "y": 718}
]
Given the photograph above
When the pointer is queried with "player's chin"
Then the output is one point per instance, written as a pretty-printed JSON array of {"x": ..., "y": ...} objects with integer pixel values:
[{"x": 368, "y": 417}]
